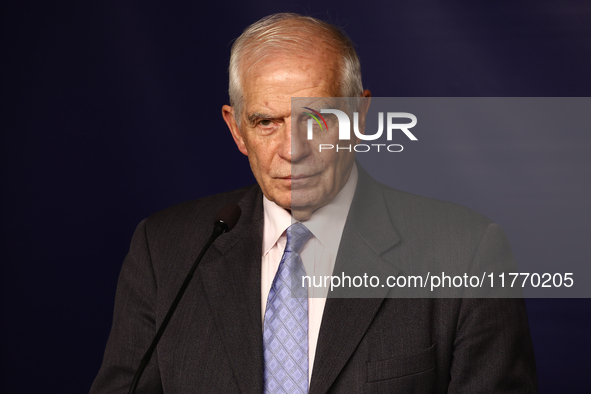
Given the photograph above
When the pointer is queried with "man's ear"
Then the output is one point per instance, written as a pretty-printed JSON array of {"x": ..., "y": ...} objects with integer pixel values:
[
  {"x": 228, "y": 115},
  {"x": 365, "y": 102}
]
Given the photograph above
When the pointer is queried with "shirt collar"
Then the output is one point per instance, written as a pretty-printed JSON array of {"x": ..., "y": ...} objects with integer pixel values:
[
  {"x": 327, "y": 223},
  {"x": 277, "y": 220}
]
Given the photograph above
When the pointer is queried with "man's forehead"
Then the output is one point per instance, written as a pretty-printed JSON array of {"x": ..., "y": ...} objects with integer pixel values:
[
  {"x": 279, "y": 107},
  {"x": 297, "y": 105},
  {"x": 267, "y": 109}
]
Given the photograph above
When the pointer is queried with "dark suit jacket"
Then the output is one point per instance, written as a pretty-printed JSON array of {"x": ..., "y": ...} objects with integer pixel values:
[{"x": 377, "y": 345}]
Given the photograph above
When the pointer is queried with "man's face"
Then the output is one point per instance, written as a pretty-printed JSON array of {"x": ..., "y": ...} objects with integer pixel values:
[{"x": 289, "y": 169}]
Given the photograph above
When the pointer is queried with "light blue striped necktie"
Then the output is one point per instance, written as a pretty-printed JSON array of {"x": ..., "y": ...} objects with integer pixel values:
[{"x": 285, "y": 333}]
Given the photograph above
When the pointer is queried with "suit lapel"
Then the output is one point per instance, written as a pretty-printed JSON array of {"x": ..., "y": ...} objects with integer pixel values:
[
  {"x": 368, "y": 233},
  {"x": 232, "y": 284}
]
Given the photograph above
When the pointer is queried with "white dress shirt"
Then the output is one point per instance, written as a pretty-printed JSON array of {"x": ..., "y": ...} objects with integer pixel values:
[{"x": 318, "y": 255}]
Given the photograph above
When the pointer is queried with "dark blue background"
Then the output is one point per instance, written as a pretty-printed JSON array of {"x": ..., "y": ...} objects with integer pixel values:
[{"x": 111, "y": 111}]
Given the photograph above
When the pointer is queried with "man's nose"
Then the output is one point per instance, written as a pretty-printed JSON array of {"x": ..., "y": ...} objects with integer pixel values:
[{"x": 295, "y": 145}]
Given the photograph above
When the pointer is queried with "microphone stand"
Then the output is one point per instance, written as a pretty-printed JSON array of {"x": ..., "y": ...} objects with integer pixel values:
[{"x": 218, "y": 229}]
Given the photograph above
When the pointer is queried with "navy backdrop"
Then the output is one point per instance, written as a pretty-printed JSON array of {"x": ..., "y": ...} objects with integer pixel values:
[{"x": 111, "y": 111}]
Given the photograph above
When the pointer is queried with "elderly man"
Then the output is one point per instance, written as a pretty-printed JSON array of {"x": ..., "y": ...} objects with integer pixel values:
[{"x": 235, "y": 332}]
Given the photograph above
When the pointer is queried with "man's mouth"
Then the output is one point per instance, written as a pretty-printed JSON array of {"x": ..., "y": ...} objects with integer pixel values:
[{"x": 297, "y": 177}]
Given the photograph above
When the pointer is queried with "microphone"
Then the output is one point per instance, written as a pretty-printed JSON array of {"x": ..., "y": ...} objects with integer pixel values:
[
  {"x": 227, "y": 218},
  {"x": 224, "y": 221}
]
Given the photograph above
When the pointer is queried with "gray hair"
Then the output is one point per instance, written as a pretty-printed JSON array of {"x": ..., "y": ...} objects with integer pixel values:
[{"x": 289, "y": 32}]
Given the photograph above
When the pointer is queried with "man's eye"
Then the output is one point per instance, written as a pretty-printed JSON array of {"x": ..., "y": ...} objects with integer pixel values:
[{"x": 265, "y": 122}]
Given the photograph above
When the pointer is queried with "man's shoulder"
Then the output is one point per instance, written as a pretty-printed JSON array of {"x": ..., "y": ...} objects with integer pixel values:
[
  {"x": 421, "y": 209},
  {"x": 202, "y": 211},
  {"x": 441, "y": 235},
  {"x": 411, "y": 210},
  {"x": 428, "y": 220}
]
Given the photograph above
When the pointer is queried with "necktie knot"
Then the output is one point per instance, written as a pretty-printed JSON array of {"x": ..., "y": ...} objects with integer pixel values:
[{"x": 297, "y": 236}]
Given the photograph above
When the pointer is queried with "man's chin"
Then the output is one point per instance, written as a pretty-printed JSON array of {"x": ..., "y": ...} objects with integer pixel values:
[
  {"x": 306, "y": 203},
  {"x": 302, "y": 200}
]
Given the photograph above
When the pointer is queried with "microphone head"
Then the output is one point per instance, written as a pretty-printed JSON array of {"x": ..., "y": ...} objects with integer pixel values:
[{"x": 229, "y": 215}]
